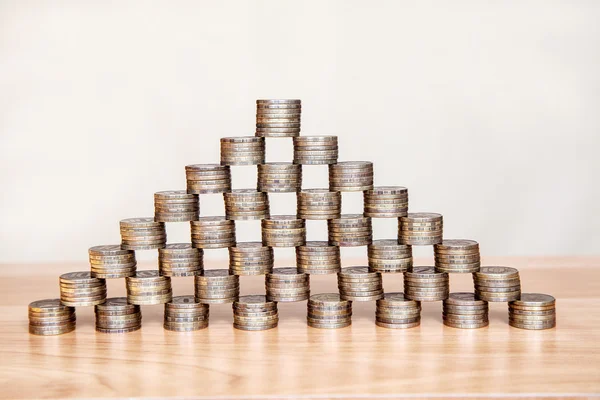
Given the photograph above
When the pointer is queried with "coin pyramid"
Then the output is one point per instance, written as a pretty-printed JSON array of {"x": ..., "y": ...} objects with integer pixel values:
[{"x": 190, "y": 312}]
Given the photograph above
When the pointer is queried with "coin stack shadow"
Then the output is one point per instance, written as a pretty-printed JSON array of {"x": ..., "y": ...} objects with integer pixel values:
[
  {"x": 328, "y": 311},
  {"x": 116, "y": 315},
  {"x": 184, "y": 314},
  {"x": 395, "y": 311},
  {"x": 255, "y": 313}
]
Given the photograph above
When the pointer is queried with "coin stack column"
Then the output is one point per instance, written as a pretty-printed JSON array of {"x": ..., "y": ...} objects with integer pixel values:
[{"x": 532, "y": 311}]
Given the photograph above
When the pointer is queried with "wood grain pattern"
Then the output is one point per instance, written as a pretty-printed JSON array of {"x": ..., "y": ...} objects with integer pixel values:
[{"x": 297, "y": 361}]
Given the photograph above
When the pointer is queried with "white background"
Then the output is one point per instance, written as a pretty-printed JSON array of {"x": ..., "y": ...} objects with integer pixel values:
[{"x": 488, "y": 111}]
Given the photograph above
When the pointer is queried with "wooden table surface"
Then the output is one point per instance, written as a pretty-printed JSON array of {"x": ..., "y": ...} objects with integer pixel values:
[{"x": 297, "y": 361}]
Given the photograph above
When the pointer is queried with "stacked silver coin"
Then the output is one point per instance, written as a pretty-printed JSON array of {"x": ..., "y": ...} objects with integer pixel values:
[
  {"x": 111, "y": 262},
  {"x": 457, "y": 255},
  {"x": 80, "y": 289},
  {"x": 254, "y": 313},
  {"x": 464, "y": 310},
  {"x": 279, "y": 177},
  {"x": 350, "y": 230},
  {"x": 318, "y": 258},
  {"x": 217, "y": 286},
  {"x": 497, "y": 284},
  {"x": 328, "y": 311},
  {"x": 180, "y": 259},
  {"x": 287, "y": 285},
  {"x": 351, "y": 176},
  {"x": 278, "y": 118},
  {"x": 148, "y": 287},
  {"x": 386, "y": 255},
  {"x": 397, "y": 312},
  {"x": 386, "y": 202},
  {"x": 184, "y": 314},
  {"x": 360, "y": 284},
  {"x": 50, "y": 317},
  {"x": 242, "y": 150},
  {"x": 283, "y": 231},
  {"x": 213, "y": 233},
  {"x": 118, "y": 316},
  {"x": 250, "y": 258},
  {"x": 142, "y": 234},
  {"x": 532, "y": 311},
  {"x": 246, "y": 204},
  {"x": 315, "y": 150},
  {"x": 176, "y": 206},
  {"x": 319, "y": 204},
  {"x": 425, "y": 284},
  {"x": 419, "y": 229},
  {"x": 208, "y": 178}
]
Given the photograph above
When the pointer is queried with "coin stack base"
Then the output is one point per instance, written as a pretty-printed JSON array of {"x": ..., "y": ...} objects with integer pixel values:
[
  {"x": 397, "y": 312},
  {"x": 457, "y": 256},
  {"x": 425, "y": 284},
  {"x": 386, "y": 255},
  {"x": 142, "y": 234},
  {"x": 386, "y": 202},
  {"x": 328, "y": 311},
  {"x": 350, "y": 230},
  {"x": 315, "y": 150},
  {"x": 81, "y": 289},
  {"x": 250, "y": 258},
  {"x": 283, "y": 231},
  {"x": 111, "y": 262},
  {"x": 319, "y": 204},
  {"x": 278, "y": 118},
  {"x": 255, "y": 313},
  {"x": 279, "y": 177},
  {"x": 208, "y": 178},
  {"x": 420, "y": 229},
  {"x": 351, "y": 176},
  {"x": 242, "y": 150},
  {"x": 184, "y": 314},
  {"x": 116, "y": 315},
  {"x": 246, "y": 204},
  {"x": 180, "y": 259},
  {"x": 318, "y": 258},
  {"x": 217, "y": 286},
  {"x": 497, "y": 284},
  {"x": 213, "y": 233},
  {"x": 148, "y": 287},
  {"x": 50, "y": 317},
  {"x": 533, "y": 311},
  {"x": 360, "y": 284},
  {"x": 287, "y": 285},
  {"x": 463, "y": 310}
]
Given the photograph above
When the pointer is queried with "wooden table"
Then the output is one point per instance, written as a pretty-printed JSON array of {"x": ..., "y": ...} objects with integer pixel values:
[{"x": 297, "y": 361}]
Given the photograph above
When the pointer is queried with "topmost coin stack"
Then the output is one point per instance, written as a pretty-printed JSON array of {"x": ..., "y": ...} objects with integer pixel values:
[{"x": 215, "y": 287}]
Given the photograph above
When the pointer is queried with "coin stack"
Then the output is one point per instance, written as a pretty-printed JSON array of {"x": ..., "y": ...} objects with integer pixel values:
[
  {"x": 184, "y": 314},
  {"x": 419, "y": 229},
  {"x": 254, "y": 313},
  {"x": 180, "y": 259},
  {"x": 464, "y": 310},
  {"x": 242, "y": 150},
  {"x": 319, "y": 204},
  {"x": 532, "y": 311},
  {"x": 246, "y": 204},
  {"x": 425, "y": 284},
  {"x": 110, "y": 261},
  {"x": 499, "y": 284},
  {"x": 213, "y": 233},
  {"x": 351, "y": 176},
  {"x": 398, "y": 312},
  {"x": 315, "y": 150},
  {"x": 217, "y": 286},
  {"x": 386, "y": 255},
  {"x": 318, "y": 258},
  {"x": 287, "y": 285},
  {"x": 118, "y": 316},
  {"x": 250, "y": 258},
  {"x": 457, "y": 255},
  {"x": 147, "y": 288},
  {"x": 142, "y": 234},
  {"x": 50, "y": 317},
  {"x": 208, "y": 178},
  {"x": 278, "y": 118},
  {"x": 176, "y": 206},
  {"x": 283, "y": 231},
  {"x": 80, "y": 289},
  {"x": 359, "y": 284},
  {"x": 329, "y": 311},
  {"x": 279, "y": 177},
  {"x": 386, "y": 202},
  {"x": 350, "y": 230}
]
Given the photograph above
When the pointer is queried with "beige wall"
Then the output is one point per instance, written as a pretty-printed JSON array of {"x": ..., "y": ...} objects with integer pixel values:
[{"x": 488, "y": 111}]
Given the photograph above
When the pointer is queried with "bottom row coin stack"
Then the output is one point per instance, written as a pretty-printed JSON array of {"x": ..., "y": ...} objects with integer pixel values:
[
  {"x": 117, "y": 316},
  {"x": 50, "y": 317},
  {"x": 398, "y": 312},
  {"x": 532, "y": 311},
  {"x": 328, "y": 310},
  {"x": 464, "y": 310},
  {"x": 254, "y": 313},
  {"x": 183, "y": 314}
]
